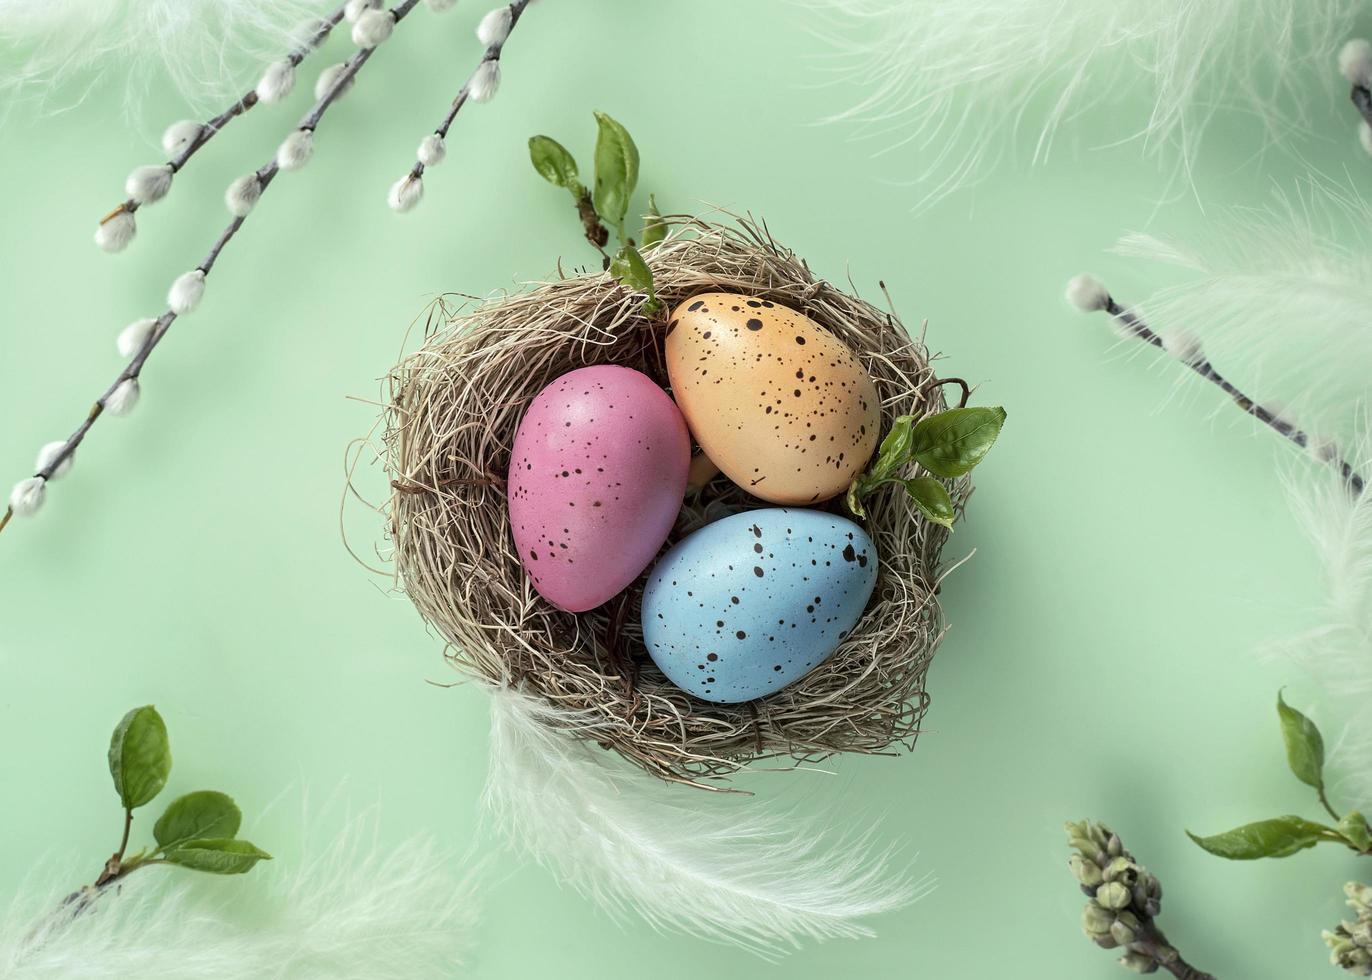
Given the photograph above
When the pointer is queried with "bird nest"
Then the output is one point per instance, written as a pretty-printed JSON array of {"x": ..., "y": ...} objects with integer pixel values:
[{"x": 453, "y": 409}]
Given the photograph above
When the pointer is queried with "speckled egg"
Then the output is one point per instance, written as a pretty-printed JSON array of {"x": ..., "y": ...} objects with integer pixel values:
[
  {"x": 748, "y": 604},
  {"x": 780, "y": 405},
  {"x": 596, "y": 479}
]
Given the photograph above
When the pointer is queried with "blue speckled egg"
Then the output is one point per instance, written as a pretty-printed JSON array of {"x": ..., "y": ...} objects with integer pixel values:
[{"x": 750, "y": 603}]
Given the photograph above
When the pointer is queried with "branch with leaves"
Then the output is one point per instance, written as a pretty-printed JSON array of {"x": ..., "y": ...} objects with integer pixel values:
[
  {"x": 616, "y": 178},
  {"x": 1089, "y": 295},
  {"x": 946, "y": 445},
  {"x": 371, "y": 26},
  {"x": 198, "y": 831},
  {"x": 1124, "y": 902}
]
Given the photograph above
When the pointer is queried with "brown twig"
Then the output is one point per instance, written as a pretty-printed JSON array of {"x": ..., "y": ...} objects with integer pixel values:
[
  {"x": 1134, "y": 326},
  {"x": 491, "y": 54},
  {"x": 265, "y": 175}
]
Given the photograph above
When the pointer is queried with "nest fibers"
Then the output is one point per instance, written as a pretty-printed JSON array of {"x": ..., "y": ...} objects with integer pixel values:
[
  {"x": 454, "y": 408},
  {"x": 565, "y": 686}
]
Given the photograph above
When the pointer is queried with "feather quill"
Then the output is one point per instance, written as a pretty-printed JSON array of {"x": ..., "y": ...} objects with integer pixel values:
[
  {"x": 206, "y": 49},
  {"x": 1337, "y": 653},
  {"x": 683, "y": 860},
  {"x": 961, "y": 80},
  {"x": 1281, "y": 299},
  {"x": 354, "y": 910}
]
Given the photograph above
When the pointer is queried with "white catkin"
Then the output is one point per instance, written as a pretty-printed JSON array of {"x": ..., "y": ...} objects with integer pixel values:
[
  {"x": 373, "y": 28},
  {"x": 1365, "y": 136},
  {"x": 495, "y": 26},
  {"x": 27, "y": 496},
  {"x": 186, "y": 292},
  {"x": 329, "y": 77},
  {"x": 1087, "y": 293},
  {"x": 277, "y": 82},
  {"x": 132, "y": 338},
  {"x": 1183, "y": 345},
  {"x": 148, "y": 185},
  {"x": 116, "y": 231},
  {"x": 48, "y": 453},
  {"x": 354, "y": 9},
  {"x": 242, "y": 195},
  {"x": 180, "y": 135},
  {"x": 441, "y": 5},
  {"x": 432, "y": 150},
  {"x": 1355, "y": 62},
  {"x": 295, "y": 150},
  {"x": 485, "y": 81},
  {"x": 405, "y": 193},
  {"x": 122, "y": 400}
]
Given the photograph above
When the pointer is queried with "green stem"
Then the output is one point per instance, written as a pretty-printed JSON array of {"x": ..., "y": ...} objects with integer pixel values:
[{"x": 1324, "y": 802}]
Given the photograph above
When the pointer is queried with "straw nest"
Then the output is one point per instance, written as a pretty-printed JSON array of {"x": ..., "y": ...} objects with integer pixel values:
[{"x": 453, "y": 410}]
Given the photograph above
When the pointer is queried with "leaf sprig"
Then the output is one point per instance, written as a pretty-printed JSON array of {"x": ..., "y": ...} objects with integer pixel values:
[
  {"x": 616, "y": 179},
  {"x": 945, "y": 445},
  {"x": 198, "y": 830},
  {"x": 1280, "y": 837}
]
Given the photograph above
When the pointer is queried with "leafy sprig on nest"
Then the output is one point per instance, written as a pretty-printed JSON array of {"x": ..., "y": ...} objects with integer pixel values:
[
  {"x": 948, "y": 445},
  {"x": 616, "y": 178}
]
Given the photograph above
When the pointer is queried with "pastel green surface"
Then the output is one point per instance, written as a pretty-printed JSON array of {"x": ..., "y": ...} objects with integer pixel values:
[{"x": 1102, "y": 657}]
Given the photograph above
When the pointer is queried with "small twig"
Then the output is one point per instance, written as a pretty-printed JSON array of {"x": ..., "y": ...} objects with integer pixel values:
[
  {"x": 1093, "y": 296},
  {"x": 265, "y": 175},
  {"x": 245, "y": 102},
  {"x": 966, "y": 388},
  {"x": 490, "y": 56}
]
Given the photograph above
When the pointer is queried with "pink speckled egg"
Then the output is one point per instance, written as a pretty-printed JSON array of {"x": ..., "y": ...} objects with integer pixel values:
[{"x": 596, "y": 480}]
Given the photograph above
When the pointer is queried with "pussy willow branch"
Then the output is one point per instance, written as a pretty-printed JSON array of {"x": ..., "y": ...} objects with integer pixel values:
[
  {"x": 1134, "y": 325},
  {"x": 249, "y": 99},
  {"x": 491, "y": 54},
  {"x": 265, "y": 175}
]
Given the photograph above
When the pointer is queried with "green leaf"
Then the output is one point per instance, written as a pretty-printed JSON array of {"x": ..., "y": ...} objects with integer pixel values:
[
  {"x": 196, "y": 816},
  {"x": 629, "y": 268},
  {"x": 1304, "y": 744},
  {"x": 654, "y": 228},
  {"x": 1277, "y": 838},
  {"x": 220, "y": 856},
  {"x": 856, "y": 489},
  {"x": 140, "y": 757},
  {"x": 951, "y": 443},
  {"x": 932, "y": 499},
  {"x": 894, "y": 451},
  {"x": 1354, "y": 829},
  {"x": 551, "y": 159},
  {"x": 616, "y": 170}
]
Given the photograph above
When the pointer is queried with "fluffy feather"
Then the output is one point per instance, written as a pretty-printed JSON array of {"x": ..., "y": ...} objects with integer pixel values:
[
  {"x": 355, "y": 910},
  {"x": 960, "y": 80},
  {"x": 683, "y": 860},
  {"x": 202, "y": 47},
  {"x": 1281, "y": 299},
  {"x": 1338, "y": 652}
]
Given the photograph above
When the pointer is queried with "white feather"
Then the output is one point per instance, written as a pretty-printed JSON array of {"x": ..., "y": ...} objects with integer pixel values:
[
  {"x": 1281, "y": 298},
  {"x": 969, "y": 81},
  {"x": 1338, "y": 652},
  {"x": 207, "y": 49},
  {"x": 356, "y": 910},
  {"x": 725, "y": 870}
]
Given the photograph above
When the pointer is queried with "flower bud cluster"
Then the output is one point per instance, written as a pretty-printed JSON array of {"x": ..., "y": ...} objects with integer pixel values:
[
  {"x": 1350, "y": 943},
  {"x": 1124, "y": 897}
]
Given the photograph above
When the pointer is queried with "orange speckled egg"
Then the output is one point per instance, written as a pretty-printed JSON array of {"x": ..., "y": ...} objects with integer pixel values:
[{"x": 782, "y": 407}]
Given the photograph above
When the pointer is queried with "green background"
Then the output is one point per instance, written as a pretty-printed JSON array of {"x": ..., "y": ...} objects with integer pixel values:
[{"x": 1133, "y": 548}]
